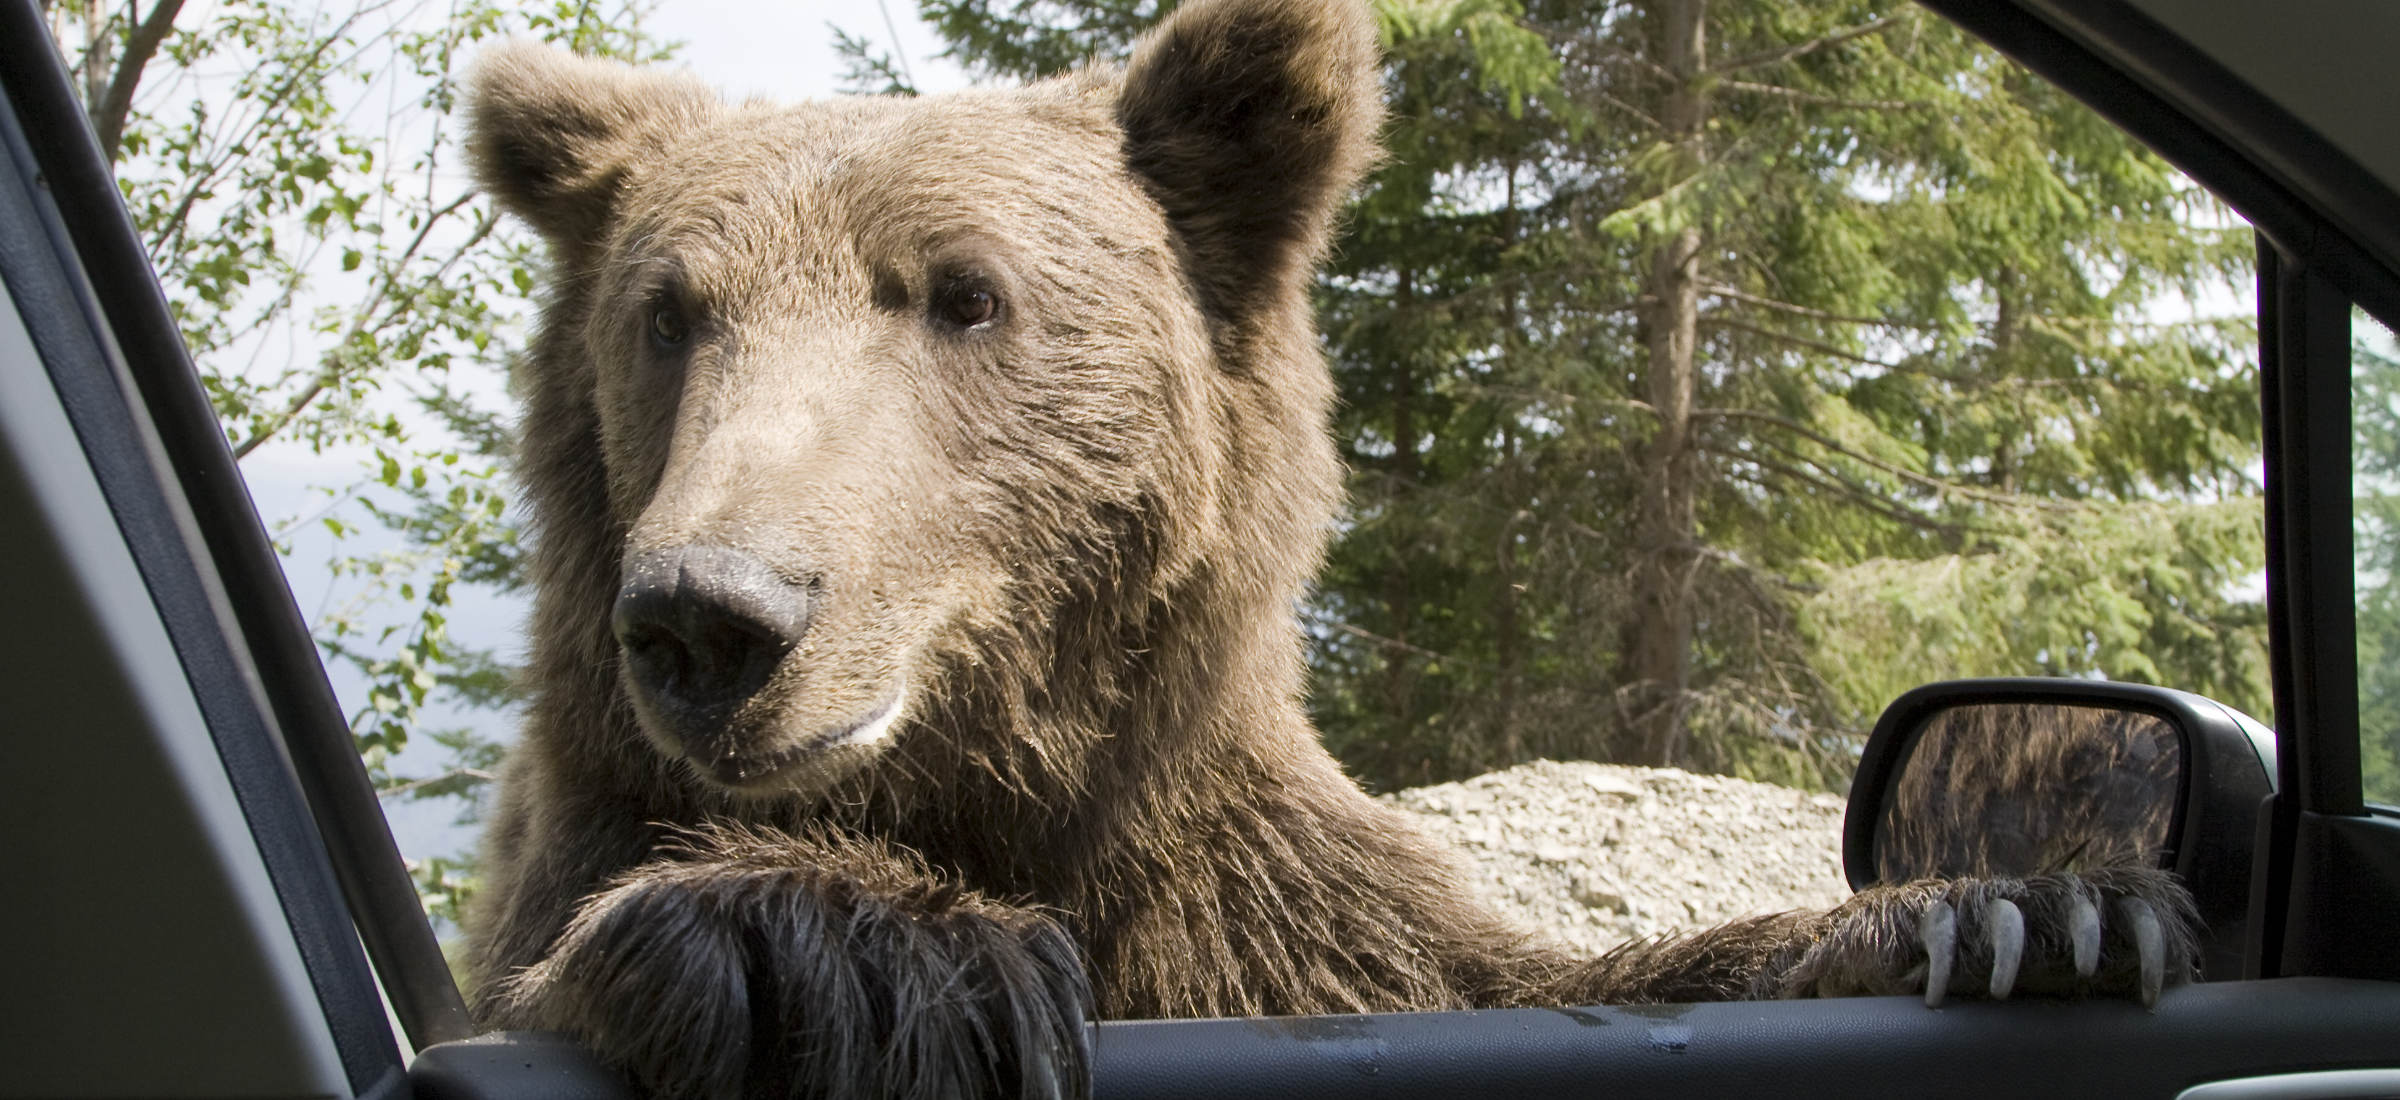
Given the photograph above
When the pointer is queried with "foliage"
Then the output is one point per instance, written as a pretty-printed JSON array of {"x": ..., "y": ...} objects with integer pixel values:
[
  {"x": 1709, "y": 372},
  {"x": 1712, "y": 372},
  {"x": 1025, "y": 39},
  {"x": 867, "y": 70},
  {"x": 2375, "y": 523},
  {"x": 293, "y": 171}
]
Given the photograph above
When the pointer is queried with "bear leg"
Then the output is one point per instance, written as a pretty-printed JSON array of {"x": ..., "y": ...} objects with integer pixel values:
[
  {"x": 2110, "y": 932},
  {"x": 751, "y": 963}
]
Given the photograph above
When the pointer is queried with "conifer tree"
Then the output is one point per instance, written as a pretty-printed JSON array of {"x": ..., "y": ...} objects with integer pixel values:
[{"x": 1713, "y": 370}]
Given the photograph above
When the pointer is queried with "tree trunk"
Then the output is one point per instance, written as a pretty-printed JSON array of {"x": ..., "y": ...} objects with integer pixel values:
[
  {"x": 96, "y": 55},
  {"x": 2004, "y": 363},
  {"x": 1658, "y": 654},
  {"x": 1507, "y": 629},
  {"x": 1399, "y": 672},
  {"x": 1508, "y": 632}
]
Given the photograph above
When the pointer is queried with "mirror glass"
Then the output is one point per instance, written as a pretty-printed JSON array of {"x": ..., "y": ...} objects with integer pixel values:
[{"x": 2019, "y": 789}]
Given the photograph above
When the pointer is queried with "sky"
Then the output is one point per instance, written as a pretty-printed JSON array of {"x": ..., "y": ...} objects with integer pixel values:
[{"x": 785, "y": 50}]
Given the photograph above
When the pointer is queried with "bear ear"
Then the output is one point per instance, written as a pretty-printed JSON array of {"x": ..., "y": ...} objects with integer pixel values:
[
  {"x": 550, "y": 134},
  {"x": 1250, "y": 120}
]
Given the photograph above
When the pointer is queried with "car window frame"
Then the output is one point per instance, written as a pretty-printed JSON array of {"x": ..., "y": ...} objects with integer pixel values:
[
  {"x": 2328, "y": 868},
  {"x": 2312, "y": 269},
  {"x": 169, "y": 472}
]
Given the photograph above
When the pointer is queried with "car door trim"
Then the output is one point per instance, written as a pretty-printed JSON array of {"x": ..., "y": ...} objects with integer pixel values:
[{"x": 2335, "y": 1084}]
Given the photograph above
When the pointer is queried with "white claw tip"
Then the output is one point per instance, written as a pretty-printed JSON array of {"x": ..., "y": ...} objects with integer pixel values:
[
  {"x": 2149, "y": 945},
  {"x": 2083, "y": 930},
  {"x": 2006, "y": 924},
  {"x": 1937, "y": 929}
]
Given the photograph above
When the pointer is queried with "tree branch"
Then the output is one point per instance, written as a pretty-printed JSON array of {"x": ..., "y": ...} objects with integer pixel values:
[
  {"x": 1638, "y": 114},
  {"x": 1818, "y": 346},
  {"x": 1471, "y": 501},
  {"x": 1609, "y": 54},
  {"x": 1724, "y": 290},
  {"x": 1832, "y": 485},
  {"x": 1803, "y": 49},
  {"x": 1537, "y": 393},
  {"x": 477, "y": 774},
  {"x": 334, "y": 363},
  {"x": 1901, "y": 472},
  {"x": 1815, "y": 100},
  {"x": 141, "y": 44},
  {"x": 1755, "y": 573},
  {"x": 1392, "y": 643},
  {"x": 167, "y": 239}
]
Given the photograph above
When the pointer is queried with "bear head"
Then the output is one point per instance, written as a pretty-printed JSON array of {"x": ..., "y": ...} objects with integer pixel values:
[{"x": 835, "y": 409}]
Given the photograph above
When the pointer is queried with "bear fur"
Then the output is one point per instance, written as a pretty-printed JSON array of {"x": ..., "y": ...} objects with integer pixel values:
[{"x": 921, "y": 493}]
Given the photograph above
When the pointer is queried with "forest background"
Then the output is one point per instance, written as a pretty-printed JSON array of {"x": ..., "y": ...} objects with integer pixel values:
[{"x": 1711, "y": 370}]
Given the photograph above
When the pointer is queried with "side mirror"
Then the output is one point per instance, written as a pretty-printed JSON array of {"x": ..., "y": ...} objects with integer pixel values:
[{"x": 2027, "y": 776}]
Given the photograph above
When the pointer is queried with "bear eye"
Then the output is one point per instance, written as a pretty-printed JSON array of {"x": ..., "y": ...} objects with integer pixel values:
[
  {"x": 966, "y": 303},
  {"x": 668, "y": 327}
]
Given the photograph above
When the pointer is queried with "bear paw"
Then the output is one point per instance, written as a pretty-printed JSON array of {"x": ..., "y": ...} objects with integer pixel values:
[
  {"x": 2121, "y": 932},
  {"x": 746, "y": 976}
]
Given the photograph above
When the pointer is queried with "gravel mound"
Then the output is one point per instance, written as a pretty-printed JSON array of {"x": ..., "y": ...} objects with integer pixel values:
[{"x": 1596, "y": 854}]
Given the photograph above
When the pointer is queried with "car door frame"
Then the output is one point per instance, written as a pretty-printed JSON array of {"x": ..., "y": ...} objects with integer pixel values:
[{"x": 2325, "y": 987}]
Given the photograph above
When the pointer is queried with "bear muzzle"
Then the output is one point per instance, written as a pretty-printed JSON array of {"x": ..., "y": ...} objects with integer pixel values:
[{"x": 703, "y": 628}]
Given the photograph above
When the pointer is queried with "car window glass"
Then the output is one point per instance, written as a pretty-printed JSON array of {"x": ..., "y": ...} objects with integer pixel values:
[
  {"x": 2008, "y": 428},
  {"x": 1688, "y": 422},
  {"x": 1956, "y": 401},
  {"x": 2375, "y": 540}
]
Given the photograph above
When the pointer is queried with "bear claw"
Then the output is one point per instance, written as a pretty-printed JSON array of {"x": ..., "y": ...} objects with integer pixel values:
[
  {"x": 2007, "y": 925},
  {"x": 2149, "y": 946},
  {"x": 2083, "y": 931},
  {"x": 2116, "y": 931},
  {"x": 1937, "y": 927}
]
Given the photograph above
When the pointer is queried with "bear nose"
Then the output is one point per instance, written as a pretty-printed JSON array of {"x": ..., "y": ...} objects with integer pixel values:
[{"x": 703, "y": 628}]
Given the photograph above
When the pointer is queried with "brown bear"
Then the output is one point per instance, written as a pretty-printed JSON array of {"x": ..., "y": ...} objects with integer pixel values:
[{"x": 922, "y": 490}]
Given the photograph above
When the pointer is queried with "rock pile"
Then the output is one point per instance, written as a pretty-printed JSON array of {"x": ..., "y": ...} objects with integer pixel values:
[{"x": 1596, "y": 854}]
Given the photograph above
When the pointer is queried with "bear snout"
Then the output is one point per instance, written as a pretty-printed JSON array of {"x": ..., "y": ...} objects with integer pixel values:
[{"x": 703, "y": 628}]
